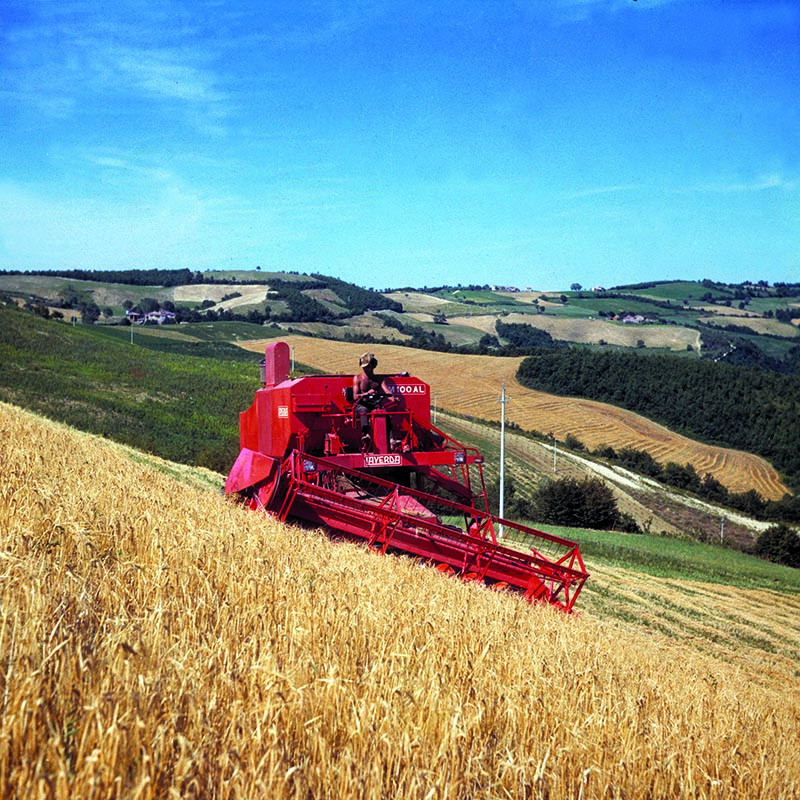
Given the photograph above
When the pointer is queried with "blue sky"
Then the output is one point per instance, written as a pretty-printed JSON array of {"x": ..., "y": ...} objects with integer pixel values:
[{"x": 526, "y": 142}]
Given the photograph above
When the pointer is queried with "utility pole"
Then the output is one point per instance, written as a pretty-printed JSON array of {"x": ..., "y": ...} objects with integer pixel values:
[
  {"x": 555, "y": 451},
  {"x": 503, "y": 401},
  {"x": 722, "y": 530}
]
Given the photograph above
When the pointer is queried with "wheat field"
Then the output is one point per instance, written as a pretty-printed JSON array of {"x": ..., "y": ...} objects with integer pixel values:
[
  {"x": 156, "y": 640},
  {"x": 472, "y": 384}
]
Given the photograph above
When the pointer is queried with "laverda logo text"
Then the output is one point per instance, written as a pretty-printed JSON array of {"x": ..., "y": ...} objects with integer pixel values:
[
  {"x": 414, "y": 388},
  {"x": 382, "y": 461}
]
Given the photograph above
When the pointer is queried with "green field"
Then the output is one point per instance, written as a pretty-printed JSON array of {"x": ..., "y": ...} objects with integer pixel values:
[
  {"x": 681, "y": 559},
  {"x": 181, "y": 403}
]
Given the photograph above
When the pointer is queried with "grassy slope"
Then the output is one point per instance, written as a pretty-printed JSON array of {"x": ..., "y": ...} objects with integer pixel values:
[
  {"x": 183, "y": 404},
  {"x": 156, "y": 638}
]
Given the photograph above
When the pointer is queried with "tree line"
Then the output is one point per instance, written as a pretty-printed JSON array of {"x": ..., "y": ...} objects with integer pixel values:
[{"x": 129, "y": 277}]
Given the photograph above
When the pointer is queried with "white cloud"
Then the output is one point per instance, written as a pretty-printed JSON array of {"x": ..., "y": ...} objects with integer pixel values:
[
  {"x": 165, "y": 73},
  {"x": 581, "y": 10},
  {"x": 601, "y": 190},
  {"x": 71, "y": 55},
  {"x": 761, "y": 183}
]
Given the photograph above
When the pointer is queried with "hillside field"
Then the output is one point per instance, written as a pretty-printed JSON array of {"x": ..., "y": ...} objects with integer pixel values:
[
  {"x": 157, "y": 640},
  {"x": 593, "y": 331},
  {"x": 471, "y": 385}
]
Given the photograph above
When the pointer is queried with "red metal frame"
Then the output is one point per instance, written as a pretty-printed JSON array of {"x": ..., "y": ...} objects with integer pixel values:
[{"x": 383, "y": 522}]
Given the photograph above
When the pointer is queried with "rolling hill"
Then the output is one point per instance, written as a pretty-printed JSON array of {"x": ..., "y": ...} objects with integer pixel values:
[
  {"x": 685, "y": 318},
  {"x": 471, "y": 385}
]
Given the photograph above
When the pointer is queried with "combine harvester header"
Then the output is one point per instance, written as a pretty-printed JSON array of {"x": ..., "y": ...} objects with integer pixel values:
[{"x": 404, "y": 487}]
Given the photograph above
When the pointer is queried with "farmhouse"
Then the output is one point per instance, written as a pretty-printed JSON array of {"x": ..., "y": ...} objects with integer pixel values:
[{"x": 159, "y": 317}]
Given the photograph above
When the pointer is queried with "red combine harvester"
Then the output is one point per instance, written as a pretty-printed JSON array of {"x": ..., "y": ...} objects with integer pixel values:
[{"x": 406, "y": 488}]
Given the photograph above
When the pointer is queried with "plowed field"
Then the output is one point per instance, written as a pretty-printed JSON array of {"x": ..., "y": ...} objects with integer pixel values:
[{"x": 472, "y": 384}]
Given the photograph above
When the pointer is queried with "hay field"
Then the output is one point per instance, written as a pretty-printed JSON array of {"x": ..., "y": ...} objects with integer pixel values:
[
  {"x": 255, "y": 294},
  {"x": 592, "y": 331},
  {"x": 419, "y": 302},
  {"x": 158, "y": 641},
  {"x": 760, "y": 325},
  {"x": 364, "y": 323},
  {"x": 471, "y": 385}
]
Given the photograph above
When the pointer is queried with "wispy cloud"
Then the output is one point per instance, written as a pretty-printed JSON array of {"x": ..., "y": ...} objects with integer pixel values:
[
  {"x": 165, "y": 73},
  {"x": 601, "y": 190},
  {"x": 329, "y": 22},
  {"x": 72, "y": 53},
  {"x": 580, "y": 10},
  {"x": 760, "y": 183}
]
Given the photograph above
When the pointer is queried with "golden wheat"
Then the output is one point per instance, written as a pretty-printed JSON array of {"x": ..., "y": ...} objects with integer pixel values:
[
  {"x": 156, "y": 640},
  {"x": 471, "y": 385}
]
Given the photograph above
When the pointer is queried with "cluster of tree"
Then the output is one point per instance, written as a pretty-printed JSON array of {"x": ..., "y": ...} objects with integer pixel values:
[
  {"x": 779, "y": 544},
  {"x": 523, "y": 337},
  {"x": 80, "y": 300},
  {"x": 735, "y": 347},
  {"x": 571, "y": 502},
  {"x": 686, "y": 478},
  {"x": 423, "y": 339},
  {"x": 303, "y": 308},
  {"x": 472, "y": 287},
  {"x": 787, "y": 314},
  {"x": 39, "y": 308},
  {"x": 742, "y": 408},
  {"x": 358, "y": 300},
  {"x": 643, "y": 285},
  {"x": 590, "y": 503},
  {"x": 420, "y": 338},
  {"x": 783, "y": 289},
  {"x": 254, "y": 316}
]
